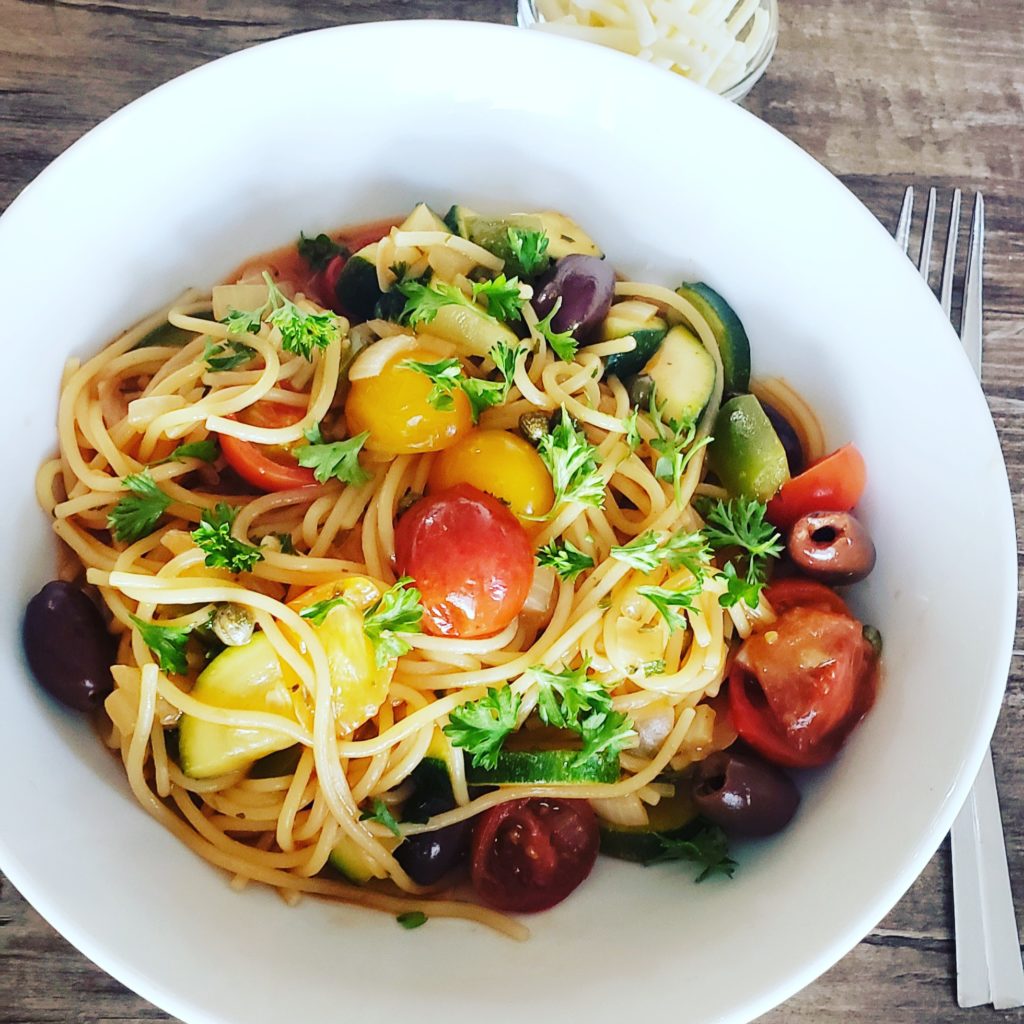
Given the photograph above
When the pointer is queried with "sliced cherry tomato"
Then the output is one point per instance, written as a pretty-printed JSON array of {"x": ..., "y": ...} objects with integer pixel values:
[
  {"x": 797, "y": 690},
  {"x": 320, "y": 287},
  {"x": 832, "y": 484},
  {"x": 471, "y": 559},
  {"x": 268, "y": 467},
  {"x": 528, "y": 855},
  {"x": 795, "y": 591},
  {"x": 395, "y": 408},
  {"x": 499, "y": 463}
]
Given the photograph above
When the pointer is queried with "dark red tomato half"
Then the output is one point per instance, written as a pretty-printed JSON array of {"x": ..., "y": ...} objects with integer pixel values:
[
  {"x": 832, "y": 484},
  {"x": 797, "y": 690},
  {"x": 471, "y": 559},
  {"x": 268, "y": 467},
  {"x": 528, "y": 855},
  {"x": 321, "y": 285},
  {"x": 795, "y": 591}
]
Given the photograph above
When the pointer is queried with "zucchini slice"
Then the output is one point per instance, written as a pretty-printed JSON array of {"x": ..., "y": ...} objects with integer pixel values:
[
  {"x": 733, "y": 344},
  {"x": 667, "y": 818},
  {"x": 469, "y": 327},
  {"x": 348, "y": 859},
  {"x": 247, "y": 678},
  {"x": 746, "y": 454},
  {"x": 683, "y": 372},
  {"x": 169, "y": 335},
  {"x": 566, "y": 237},
  {"x": 423, "y": 218},
  {"x": 546, "y": 766},
  {"x": 635, "y": 320},
  {"x": 357, "y": 288}
]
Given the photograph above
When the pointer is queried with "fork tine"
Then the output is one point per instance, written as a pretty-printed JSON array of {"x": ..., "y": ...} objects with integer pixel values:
[
  {"x": 970, "y": 318},
  {"x": 925, "y": 258},
  {"x": 949, "y": 260},
  {"x": 902, "y": 235}
]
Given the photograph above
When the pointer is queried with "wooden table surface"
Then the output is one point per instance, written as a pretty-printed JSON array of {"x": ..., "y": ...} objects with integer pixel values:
[{"x": 884, "y": 92}]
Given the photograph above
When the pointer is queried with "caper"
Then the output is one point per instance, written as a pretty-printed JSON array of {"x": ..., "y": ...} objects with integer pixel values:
[
  {"x": 534, "y": 425},
  {"x": 406, "y": 502},
  {"x": 874, "y": 638},
  {"x": 640, "y": 389},
  {"x": 232, "y": 624}
]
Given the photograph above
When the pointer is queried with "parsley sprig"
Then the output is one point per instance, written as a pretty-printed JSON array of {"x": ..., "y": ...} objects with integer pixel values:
[
  {"x": 423, "y": 300},
  {"x": 136, "y": 515},
  {"x": 481, "y": 726},
  {"x": 168, "y": 643},
  {"x": 529, "y": 249},
  {"x": 674, "y": 445},
  {"x": 648, "y": 551},
  {"x": 301, "y": 332},
  {"x": 207, "y": 451},
  {"x": 667, "y": 600},
  {"x": 227, "y": 355},
  {"x": 742, "y": 524},
  {"x": 562, "y": 343},
  {"x": 319, "y": 250},
  {"x": 572, "y": 700},
  {"x": 382, "y": 815},
  {"x": 223, "y": 549},
  {"x": 444, "y": 374},
  {"x": 502, "y": 296},
  {"x": 707, "y": 847},
  {"x": 572, "y": 462},
  {"x": 337, "y": 460},
  {"x": 565, "y": 558},
  {"x": 399, "y": 610}
]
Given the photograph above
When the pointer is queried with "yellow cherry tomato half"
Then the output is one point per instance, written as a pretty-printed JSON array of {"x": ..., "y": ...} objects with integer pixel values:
[
  {"x": 358, "y": 686},
  {"x": 499, "y": 463},
  {"x": 394, "y": 408}
]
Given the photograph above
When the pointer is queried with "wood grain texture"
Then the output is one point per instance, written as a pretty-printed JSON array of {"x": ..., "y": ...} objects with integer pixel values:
[{"x": 884, "y": 92}]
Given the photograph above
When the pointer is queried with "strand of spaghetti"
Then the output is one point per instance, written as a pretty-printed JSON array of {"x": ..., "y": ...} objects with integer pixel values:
[{"x": 325, "y": 384}]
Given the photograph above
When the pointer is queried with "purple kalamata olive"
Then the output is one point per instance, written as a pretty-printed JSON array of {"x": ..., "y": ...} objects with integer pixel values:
[
  {"x": 831, "y": 547},
  {"x": 789, "y": 438},
  {"x": 68, "y": 647},
  {"x": 586, "y": 286},
  {"x": 743, "y": 794},
  {"x": 429, "y": 856}
]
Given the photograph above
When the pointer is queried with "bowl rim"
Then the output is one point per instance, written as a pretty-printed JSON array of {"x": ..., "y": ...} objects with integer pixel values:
[{"x": 181, "y": 1004}]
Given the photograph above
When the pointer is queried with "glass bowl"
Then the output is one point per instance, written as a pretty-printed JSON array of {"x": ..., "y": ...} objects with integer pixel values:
[{"x": 530, "y": 17}]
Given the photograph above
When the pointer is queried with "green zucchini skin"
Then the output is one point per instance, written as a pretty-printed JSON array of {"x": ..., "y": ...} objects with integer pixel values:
[
  {"x": 516, "y": 767},
  {"x": 729, "y": 332}
]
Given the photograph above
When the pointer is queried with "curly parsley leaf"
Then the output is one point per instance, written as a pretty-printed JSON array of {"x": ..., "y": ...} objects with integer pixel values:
[
  {"x": 168, "y": 643},
  {"x": 319, "y": 250},
  {"x": 742, "y": 524},
  {"x": 412, "y": 919},
  {"x": 674, "y": 445},
  {"x": 481, "y": 726},
  {"x": 572, "y": 462},
  {"x": 423, "y": 300},
  {"x": 227, "y": 355},
  {"x": 631, "y": 425},
  {"x": 382, "y": 816},
  {"x": 565, "y": 558},
  {"x": 570, "y": 699},
  {"x": 337, "y": 460},
  {"x": 317, "y": 612},
  {"x": 400, "y": 610},
  {"x": 446, "y": 375},
  {"x": 502, "y": 296},
  {"x": 708, "y": 848},
  {"x": 563, "y": 344},
  {"x": 529, "y": 249},
  {"x": 207, "y": 451},
  {"x": 223, "y": 549},
  {"x": 301, "y": 332},
  {"x": 136, "y": 515},
  {"x": 667, "y": 600},
  {"x": 647, "y": 552}
]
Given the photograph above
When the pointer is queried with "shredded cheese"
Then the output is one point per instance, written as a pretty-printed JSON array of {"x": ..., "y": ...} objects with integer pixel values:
[{"x": 710, "y": 41}]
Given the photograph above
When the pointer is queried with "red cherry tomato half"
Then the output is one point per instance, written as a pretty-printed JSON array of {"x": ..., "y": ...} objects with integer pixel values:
[
  {"x": 528, "y": 855},
  {"x": 832, "y": 484},
  {"x": 797, "y": 690},
  {"x": 321, "y": 285},
  {"x": 793, "y": 591},
  {"x": 268, "y": 467},
  {"x": 471, "y": 559}
]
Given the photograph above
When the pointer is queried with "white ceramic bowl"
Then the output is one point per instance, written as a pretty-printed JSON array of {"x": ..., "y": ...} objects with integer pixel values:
[{"x": 351, "y": 124}]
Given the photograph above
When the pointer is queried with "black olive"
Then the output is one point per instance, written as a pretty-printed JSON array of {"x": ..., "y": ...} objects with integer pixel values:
[
  {"x": 68, "y": 646},
  {"x": 429, "y": 856},
  {"x": 583, "y": 288},
  {"x": 832, "y": 547},
  {"x": 743, "y": 794},
  {"x": 641, "y": 387}
]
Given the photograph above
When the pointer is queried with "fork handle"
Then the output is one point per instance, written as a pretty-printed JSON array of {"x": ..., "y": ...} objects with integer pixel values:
[{"x": 983, "y": 902}]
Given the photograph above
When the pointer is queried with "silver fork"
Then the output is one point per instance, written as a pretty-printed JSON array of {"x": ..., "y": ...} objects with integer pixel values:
[{"x": 988, "y": 959}]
